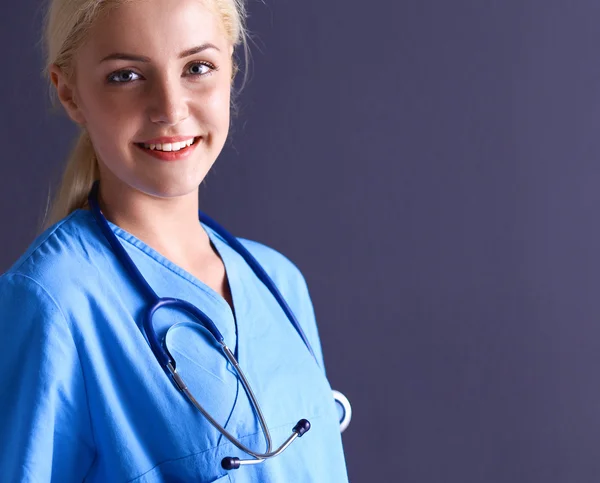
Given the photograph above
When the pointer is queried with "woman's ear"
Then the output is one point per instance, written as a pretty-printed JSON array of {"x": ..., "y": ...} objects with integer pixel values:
[{"x": 66, "y": 94}]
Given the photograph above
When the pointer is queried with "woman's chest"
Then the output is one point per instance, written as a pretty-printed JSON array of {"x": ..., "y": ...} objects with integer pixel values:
[{"x": 142, "y": 421}]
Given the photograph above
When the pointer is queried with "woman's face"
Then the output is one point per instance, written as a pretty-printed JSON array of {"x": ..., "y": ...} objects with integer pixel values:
[{"x": 154, "y": 69}]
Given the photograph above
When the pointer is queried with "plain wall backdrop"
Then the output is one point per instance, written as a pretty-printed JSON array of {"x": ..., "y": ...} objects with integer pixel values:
[{"x": 432, "y": 168}]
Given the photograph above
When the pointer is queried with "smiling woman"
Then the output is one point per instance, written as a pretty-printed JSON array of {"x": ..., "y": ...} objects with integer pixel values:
[{"x": 99, "y": 392}]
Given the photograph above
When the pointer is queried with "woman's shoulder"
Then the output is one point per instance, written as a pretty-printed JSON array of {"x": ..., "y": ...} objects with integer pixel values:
[
  {"x": 61, "y": 253},
  {"x": 277, "y": 265},
  {"x": 287, "y": 277},
  {"x": 268, "y": 255}
]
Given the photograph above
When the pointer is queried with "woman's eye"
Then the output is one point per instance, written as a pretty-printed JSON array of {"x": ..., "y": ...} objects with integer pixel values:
[
  {"x": 122, "y": 77},
  {"x": 201, "y": 68},
  {"x": 127, "y": 76}
]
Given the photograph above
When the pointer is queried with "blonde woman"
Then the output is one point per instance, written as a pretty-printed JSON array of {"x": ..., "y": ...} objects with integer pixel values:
[{"x": 124, "y": 322}]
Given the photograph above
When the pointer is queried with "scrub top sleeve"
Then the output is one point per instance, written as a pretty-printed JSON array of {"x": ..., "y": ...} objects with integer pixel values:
[
  {"x": 45, "y": 431},
  {"x": 307, "y": 319}
]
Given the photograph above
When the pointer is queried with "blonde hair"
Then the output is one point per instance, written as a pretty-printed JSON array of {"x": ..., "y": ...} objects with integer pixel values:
[{"x": 66, "y": 26}]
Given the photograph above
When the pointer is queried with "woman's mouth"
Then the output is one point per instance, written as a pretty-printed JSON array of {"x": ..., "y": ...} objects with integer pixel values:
[
  {"x": 171, "y": 151},
  {"x": 169, "y": 147}
]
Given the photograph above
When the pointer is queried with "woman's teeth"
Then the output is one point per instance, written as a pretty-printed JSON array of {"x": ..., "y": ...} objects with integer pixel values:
[{"x": 170, "y": 146}]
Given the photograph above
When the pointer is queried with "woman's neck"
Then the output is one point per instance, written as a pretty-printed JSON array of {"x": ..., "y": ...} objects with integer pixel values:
[
  {"x": 168, "y": 225},
  {"x": 171, "y": 227}
]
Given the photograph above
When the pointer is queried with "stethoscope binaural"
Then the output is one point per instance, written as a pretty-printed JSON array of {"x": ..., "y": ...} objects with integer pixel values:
[{"x": 162, "y": 354}]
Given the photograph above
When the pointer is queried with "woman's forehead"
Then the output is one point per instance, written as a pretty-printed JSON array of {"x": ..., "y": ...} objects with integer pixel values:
[{"x": 156, "y": 29}]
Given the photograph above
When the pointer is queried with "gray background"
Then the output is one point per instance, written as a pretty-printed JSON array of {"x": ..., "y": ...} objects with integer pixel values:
[{"x": 432, "y": 168}]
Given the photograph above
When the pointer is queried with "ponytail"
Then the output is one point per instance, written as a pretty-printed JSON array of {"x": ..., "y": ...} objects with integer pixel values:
[{"x": 80, "y": 173}]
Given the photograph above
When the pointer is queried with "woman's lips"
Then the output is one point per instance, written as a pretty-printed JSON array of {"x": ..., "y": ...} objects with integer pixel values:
[
  {"x": 171, "y": 155},
  {"x": 169, "y": 139}
]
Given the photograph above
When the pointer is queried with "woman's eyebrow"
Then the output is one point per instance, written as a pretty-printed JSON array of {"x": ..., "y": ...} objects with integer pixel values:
[{"x": 141, "y": 58}]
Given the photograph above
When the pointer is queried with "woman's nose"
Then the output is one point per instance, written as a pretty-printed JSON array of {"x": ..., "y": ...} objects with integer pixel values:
[{"x": 168, "y": 104}]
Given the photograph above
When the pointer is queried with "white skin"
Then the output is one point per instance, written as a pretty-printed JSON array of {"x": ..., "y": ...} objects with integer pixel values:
[{"x": 156, "y": 201}]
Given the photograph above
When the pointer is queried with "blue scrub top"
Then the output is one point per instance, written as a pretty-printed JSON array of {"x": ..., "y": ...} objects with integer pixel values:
[{"x": 83, "y": 397}]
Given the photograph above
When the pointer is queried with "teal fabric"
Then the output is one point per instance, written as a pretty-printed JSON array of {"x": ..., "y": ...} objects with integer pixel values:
[{"x": 84, "y": 399}]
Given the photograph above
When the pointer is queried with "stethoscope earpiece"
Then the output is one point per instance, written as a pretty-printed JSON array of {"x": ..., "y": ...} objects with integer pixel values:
[{"x": 344, "y": 405}]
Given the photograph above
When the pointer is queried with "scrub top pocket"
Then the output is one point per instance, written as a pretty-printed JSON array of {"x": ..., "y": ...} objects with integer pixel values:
[
  {"x": 223, "y": 479},
  {"x": 202, "y": 468}
]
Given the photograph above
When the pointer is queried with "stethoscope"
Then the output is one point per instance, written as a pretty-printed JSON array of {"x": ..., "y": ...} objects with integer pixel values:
[{"x": 162, "y": 354}]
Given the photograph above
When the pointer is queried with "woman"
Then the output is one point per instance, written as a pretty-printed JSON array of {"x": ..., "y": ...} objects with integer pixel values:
[{"x": 84, "y": 395}]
